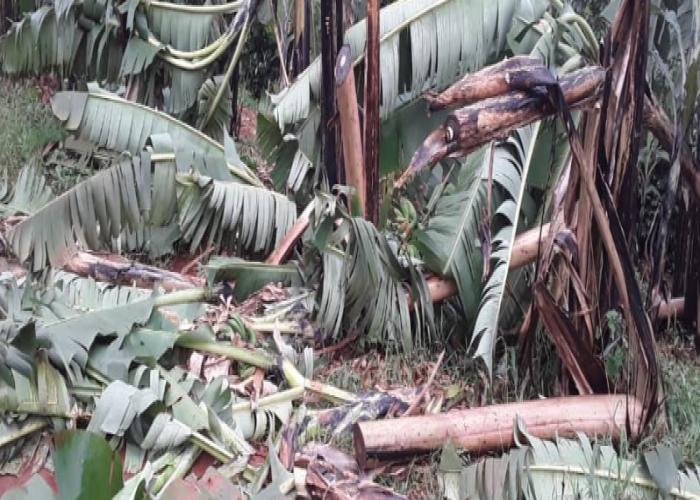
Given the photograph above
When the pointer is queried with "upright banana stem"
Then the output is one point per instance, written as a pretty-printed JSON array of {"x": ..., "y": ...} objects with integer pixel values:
[{"x": 372, "y": 118}]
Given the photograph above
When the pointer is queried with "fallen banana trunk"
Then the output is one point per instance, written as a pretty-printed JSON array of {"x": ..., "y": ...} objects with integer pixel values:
[
  {"x": 496, "y": 100},
  {"x": 481, "y": 122},
  {"x": 490, "y": 81},
  {"x": 121, "y": 271},
  {"x": 111, "y": 268},
  {"x": 488, "y": 428}
]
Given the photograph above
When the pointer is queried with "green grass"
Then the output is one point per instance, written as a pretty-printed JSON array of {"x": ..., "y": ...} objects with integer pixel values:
[
  {"x": 26, "y": 124},
  {"x": 682, "y": 385}
]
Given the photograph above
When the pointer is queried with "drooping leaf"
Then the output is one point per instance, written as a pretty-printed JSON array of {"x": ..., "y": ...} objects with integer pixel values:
[
  {"x": 184, "y": 92},
  {"x": 138, "y": 56},
  {"x": 519, "y": 152},
  {"x": 221, "y": 118},
  {"x": 86, "y": 467},
  {"x": 30, "y": 192},
  {"x": 90, "y": 215},
  {"x": 368, "y": 262},
  {"x": 232, "y": 216},
  {"x": 117, "y": 124},
  {"x": 186, "y": 31},
  {"x": 286, "y": 153},
  {"x": 449, "y": 242},
  {"x": 40, "y": 41}
]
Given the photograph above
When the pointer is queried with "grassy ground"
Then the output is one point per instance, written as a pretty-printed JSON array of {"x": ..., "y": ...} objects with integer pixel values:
[
  {"x": 26, "y": 124},
  {"x": 681, "y": 370}
]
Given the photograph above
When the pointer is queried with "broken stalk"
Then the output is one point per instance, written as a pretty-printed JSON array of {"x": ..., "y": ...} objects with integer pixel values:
[{"x": 296, "y": 379}]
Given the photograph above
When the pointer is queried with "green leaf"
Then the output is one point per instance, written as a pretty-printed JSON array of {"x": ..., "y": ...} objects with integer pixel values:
[
  {"x": 449, "y": 242},
  {"x": 519, "y": 152},
  {"x": 71, "y": 338},
  {"x": 90, "y": 215},
  {"x": 367, "y": 264},
  {"x": 119, "y": 404},
  {"x": 47, "y": 396},
  {"x": 250, "y": 276},
  {"x": 17, "y": 348},
  {"x": 286, "y": 153},
  {"x": 565, "y": 468},
  {"x": 219, "y": 122},
  {"x": 86, "y": 467},
  {"x": 228, "y": 215},
  {"x": 423, "y": 46},
  {"x": 40, "y": 42},
  {"x": 112, "y": 122},
  {"x": 30, "y": 193},
  {"x": 185, "y": 88},
  {"x": 185, "y": 31},
  {"x": 142, "y": 345},
  {"x": 138, "y": 56}
]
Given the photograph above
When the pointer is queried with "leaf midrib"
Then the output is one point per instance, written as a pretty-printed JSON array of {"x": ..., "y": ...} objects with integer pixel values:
[{"x": 463, "y": 222}]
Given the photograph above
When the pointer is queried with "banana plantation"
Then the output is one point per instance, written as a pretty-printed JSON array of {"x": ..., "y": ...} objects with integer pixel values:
[{"x": 350, "y": 250}]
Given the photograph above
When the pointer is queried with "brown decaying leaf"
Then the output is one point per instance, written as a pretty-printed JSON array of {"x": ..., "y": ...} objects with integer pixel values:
[
  {"x": 334, "y": 475},
  {"x": 585, "y": 368},
  {"x": 623, "y": 102}
]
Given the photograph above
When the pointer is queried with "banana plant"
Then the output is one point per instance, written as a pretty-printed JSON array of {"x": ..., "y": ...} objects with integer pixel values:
[
  {"x": 140, "y": 42},
  {"x": 436, "y": 50},
  {"x": 470, "y": 226},
  {"x": 417, "y": 57},
  {"x": 452, "y": 241}
]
